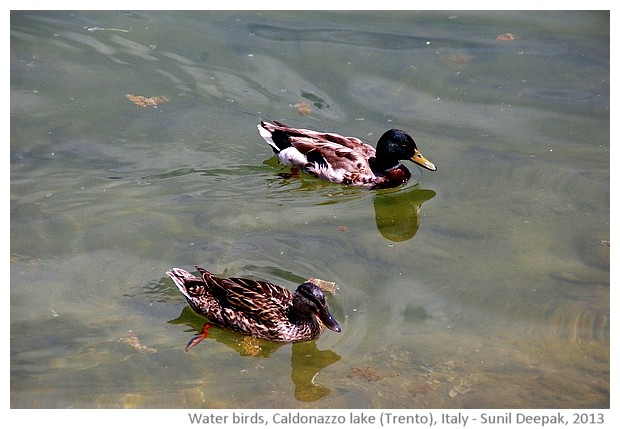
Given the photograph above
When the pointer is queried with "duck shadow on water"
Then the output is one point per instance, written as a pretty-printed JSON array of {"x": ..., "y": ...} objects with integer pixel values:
[{"x": 306, "y": 359}]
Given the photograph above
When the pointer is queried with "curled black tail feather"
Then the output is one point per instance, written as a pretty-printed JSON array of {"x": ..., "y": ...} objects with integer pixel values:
[{"x": 280, "y": 139}]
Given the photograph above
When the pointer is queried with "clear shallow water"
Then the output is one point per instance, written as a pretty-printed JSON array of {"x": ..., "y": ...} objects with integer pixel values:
[{"x": 482, "y": 285}]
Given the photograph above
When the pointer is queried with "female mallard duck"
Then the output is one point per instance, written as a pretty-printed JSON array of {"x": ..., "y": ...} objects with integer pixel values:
[
  {"x": 255, "y": 308},
  {"x": 345, "y": 160}
]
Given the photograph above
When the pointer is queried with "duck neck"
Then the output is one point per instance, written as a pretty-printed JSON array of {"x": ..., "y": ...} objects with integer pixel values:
[
  {"x": 305, "y": 321},
  {"x": 380, "y": 165}
]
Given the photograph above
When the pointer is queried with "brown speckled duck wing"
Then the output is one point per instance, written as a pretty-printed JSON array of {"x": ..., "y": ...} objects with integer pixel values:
[
  {"x": 302, "y": 135},
  {"x": 253, "y": 299},
  {"x": 353, "y": 143},
  {"x": 338, "y": 163},
  {"x": 339, "y": 156}
]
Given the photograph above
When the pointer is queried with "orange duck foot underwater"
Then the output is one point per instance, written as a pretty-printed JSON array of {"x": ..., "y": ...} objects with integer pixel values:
[
  {"x": 255, "y": 308},
  {"x": 345, "y": 160}
]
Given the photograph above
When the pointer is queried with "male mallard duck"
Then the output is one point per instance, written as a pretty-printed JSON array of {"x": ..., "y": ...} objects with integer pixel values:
[
  {"x": 255, "y": 308},
  {"x": 345, "y": 160}
]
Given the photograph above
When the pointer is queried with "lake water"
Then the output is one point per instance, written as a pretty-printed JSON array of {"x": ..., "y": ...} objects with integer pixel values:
[{"x": 485, "y": 284}]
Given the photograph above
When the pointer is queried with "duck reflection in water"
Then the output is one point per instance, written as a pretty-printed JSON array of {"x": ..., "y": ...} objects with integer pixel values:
[
  {"x": 397, "y": 211},
  {"x": 307, "y": 360}
]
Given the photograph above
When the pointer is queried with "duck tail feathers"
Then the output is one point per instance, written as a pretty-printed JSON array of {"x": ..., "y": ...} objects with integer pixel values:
[
  {"x": 182, "y": 279},
  {"x": 265, "y": 133}
]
